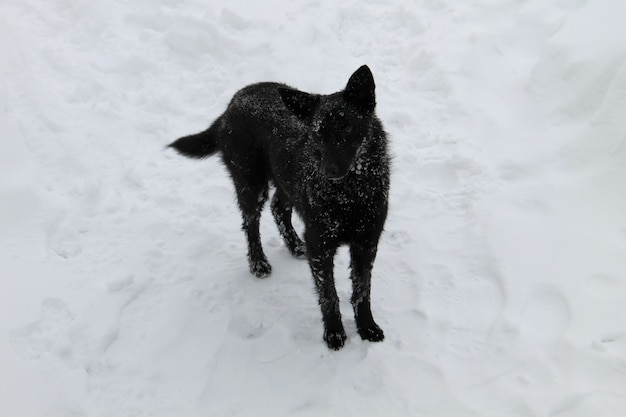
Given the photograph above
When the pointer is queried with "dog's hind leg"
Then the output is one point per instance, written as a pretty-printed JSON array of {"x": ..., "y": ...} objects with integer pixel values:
[
  {"x": 259, "y": 266},
  {"x": 362, "y": 260},
  {"x": 282, "y": 210},
  {"x": 251, "y": 196}
]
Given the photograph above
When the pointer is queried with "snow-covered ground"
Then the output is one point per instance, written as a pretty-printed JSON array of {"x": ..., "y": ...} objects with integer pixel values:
[{"x": 501, "y": 278}]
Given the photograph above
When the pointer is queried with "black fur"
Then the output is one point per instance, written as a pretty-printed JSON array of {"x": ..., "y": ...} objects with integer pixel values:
[{"x": 327, "y": 157}]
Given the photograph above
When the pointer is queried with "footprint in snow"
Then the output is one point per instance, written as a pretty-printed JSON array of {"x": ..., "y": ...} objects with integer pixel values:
[
  {"x": 477, "y": 306},
  {"x": 50, "y": 335}
]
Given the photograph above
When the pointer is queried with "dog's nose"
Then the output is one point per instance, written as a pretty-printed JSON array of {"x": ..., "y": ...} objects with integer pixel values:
[{"x": 332, "y": 171}]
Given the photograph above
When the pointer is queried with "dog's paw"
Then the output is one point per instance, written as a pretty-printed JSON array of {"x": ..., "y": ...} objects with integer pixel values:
[
  {"x": 372, "y": 333},
  {"x": 261, "y": 269},
  {"x": 335, "y": 340}
]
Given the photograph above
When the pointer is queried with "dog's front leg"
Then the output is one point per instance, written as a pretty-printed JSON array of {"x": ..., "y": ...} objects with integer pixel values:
[
  {"x": 322, "y": 269},
  {"x": 362, "y": 260}
]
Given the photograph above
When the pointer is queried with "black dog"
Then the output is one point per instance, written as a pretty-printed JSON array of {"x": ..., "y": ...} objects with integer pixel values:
[{"x": 327, "y": 157}]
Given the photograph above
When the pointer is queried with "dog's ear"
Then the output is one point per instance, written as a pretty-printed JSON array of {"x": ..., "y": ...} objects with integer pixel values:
[
  {"x": 360, "y": 90},
  {"x": 298, "y": 102}
]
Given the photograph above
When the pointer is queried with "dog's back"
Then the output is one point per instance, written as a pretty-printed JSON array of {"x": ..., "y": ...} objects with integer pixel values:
[
  {"x": 251, "y": 116},
  {"x": 327, "y": 157}
]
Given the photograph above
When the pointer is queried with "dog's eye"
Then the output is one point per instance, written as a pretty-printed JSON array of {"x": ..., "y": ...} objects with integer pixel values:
[{"x": 347, "y": 129}]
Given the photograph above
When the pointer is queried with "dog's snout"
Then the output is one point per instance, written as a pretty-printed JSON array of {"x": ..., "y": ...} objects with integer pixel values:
[{"x": 332, "y": 170}]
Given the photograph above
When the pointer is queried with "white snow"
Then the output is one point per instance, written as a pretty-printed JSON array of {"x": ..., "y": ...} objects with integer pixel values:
[{"x": 501, "y": 277}]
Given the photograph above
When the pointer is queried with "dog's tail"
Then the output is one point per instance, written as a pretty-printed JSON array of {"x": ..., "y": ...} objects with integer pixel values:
[{"x": 200, "y": 145}]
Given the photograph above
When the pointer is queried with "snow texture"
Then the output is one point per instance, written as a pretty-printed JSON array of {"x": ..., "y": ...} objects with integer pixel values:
[{"x": 500, "y": 280}]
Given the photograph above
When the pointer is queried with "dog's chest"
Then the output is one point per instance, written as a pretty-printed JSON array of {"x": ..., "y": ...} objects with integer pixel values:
[{"x": 358, "y": 197}]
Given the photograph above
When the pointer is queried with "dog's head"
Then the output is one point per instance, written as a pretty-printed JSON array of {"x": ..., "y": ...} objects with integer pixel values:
[{"x": 340, "y": 122}]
